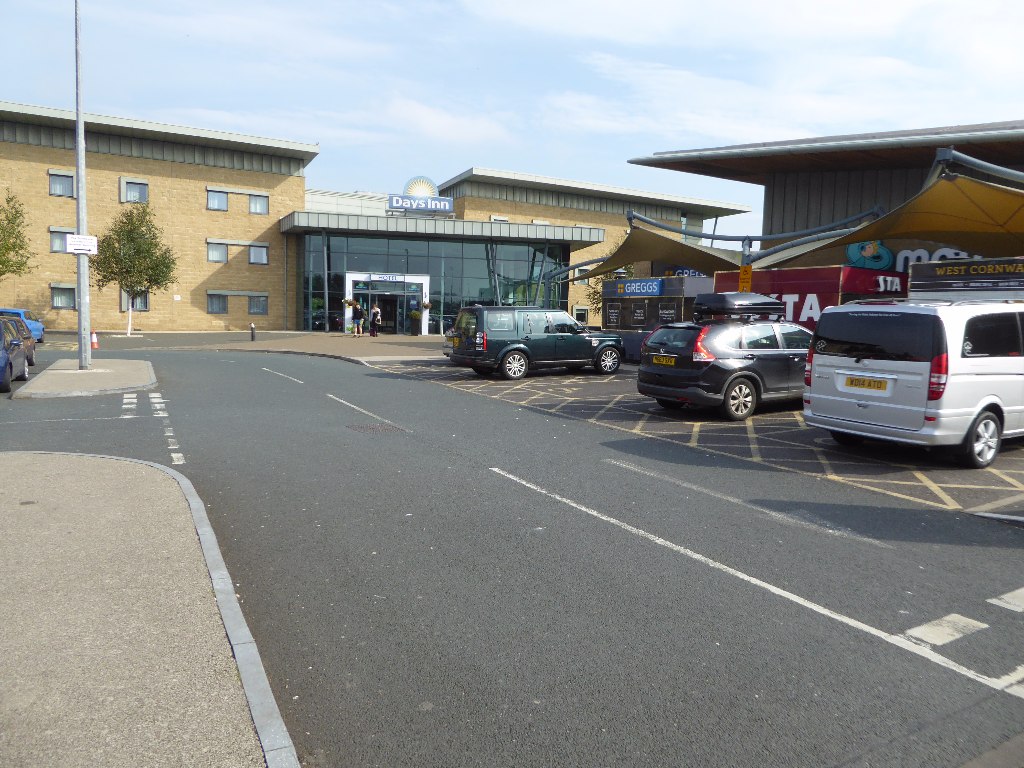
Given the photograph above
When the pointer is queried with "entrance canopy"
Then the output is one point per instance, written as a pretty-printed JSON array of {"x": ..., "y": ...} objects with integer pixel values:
[{"x": 975, "y": 216}]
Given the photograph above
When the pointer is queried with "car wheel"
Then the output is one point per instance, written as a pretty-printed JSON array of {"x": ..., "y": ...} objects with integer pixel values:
[
  {"x": 23, "y": 376},
  {"x": 672, "y": 405},
  {"x": 482, "y": 371},
  {"x": 5, "y": 379},
  {"x": 40, "y": 339},
  {"x": 981, "y": 445},
  {"x": 608, "y": 361},
  {"x": 845, "y": 438},
  {"x": 740, "y": 400},
  {"x": 32, "y": 358},
  {"x": 514, "y": 365}
]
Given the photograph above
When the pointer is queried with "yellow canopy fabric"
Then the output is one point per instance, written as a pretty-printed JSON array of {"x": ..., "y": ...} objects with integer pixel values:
[
  {"x": 974, "y": 216},
  {"x": 971, "y": 215},
  {"x": 645, "y": 245}
]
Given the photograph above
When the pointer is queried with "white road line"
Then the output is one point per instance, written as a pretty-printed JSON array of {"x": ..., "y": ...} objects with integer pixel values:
[
  {"x": 371, "y": 415},
  {"x": 177, "y": 458},
  {"x": 778, "y": 516},
  {"x": 283, "y": 375},
  {"x": 1012, "y": 600},
  {"x": 1007, "y": 683},
  {"x": 945, "y": 630}
]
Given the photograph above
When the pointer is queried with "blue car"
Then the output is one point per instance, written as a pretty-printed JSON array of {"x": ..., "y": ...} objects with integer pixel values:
[
  {"x": 13, "y": 362},
  {"x": 31, "y": 320}
]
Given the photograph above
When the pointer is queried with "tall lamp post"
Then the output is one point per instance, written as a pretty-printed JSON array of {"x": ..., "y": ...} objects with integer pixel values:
[{"x": 82, "y": 292}]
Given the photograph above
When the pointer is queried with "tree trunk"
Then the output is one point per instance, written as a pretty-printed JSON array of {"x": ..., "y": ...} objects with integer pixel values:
[{"x": 131, "y": 303}]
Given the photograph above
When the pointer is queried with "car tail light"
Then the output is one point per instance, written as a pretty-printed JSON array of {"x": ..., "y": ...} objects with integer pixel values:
[
  {"x": 481, "y": 341},
  {"x": 937, "y": 376},
  {"x": 702, "y": 354},
  {"x": 807, "y": 367}
]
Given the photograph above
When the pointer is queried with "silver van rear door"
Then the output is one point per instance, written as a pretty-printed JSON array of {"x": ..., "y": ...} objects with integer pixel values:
[
  {"x": 890, "y": 392},
  {"x": 873, "y": 366}
]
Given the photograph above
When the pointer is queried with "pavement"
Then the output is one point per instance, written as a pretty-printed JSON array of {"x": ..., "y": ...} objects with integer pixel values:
[{"x": 132, "y": 649}]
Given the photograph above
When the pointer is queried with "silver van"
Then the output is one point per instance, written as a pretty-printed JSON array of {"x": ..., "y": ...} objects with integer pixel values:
[{"x": 929, "y": 373}]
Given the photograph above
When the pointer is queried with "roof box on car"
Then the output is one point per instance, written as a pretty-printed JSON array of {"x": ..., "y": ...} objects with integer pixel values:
[{"x": 735, "y": 304}]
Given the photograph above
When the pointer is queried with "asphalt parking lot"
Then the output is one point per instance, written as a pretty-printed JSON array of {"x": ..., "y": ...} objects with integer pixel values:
[{"x": 775, "y": 437}]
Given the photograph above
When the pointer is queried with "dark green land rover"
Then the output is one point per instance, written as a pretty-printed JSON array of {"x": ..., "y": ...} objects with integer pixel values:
[{"x": 512, "y": 340}]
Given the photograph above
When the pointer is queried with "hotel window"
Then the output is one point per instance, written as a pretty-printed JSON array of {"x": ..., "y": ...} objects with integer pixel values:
[
  {"x": 579, "y": 273},
  {"x": 259, "y": 204},
  {"x": 257, "y": 305},
  {"x": 580, "y": 314},
  {"x": 134, "y": 190},
  {"x": 141, "y": 302},
  {"x": 59, "y": 239},
  {"x": 258, "y": 254},
  {"x": 216, "y": 303},
  {"x": 217, "y": 252},
  {"x": 216, "y": 201},
  {"x": 62, "y": 184},
  {"x": 62, "y": 297}
]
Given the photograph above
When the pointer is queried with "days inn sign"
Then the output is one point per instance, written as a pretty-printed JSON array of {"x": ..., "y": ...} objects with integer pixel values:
[{"x": 420, "y": 196}]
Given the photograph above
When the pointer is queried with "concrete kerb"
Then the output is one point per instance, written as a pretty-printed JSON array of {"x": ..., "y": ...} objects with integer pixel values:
[{"x": 278, "y": 749}]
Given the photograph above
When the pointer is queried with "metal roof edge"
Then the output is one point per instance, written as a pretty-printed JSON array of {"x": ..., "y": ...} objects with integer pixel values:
[
  {"x": 65, "y": 118},
  {"x": 307, "y": 220},
  {"x": 515, "y": 178},
  {"x": 924, "y": 137}
]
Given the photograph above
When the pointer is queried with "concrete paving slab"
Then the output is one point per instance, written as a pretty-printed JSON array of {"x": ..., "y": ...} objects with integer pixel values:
[{"x": 113, "y": 650}]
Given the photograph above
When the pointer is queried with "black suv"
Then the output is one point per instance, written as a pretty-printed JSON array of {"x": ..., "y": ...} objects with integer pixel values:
[
  {"x": 735, "y": 353},
  {"x": 513, "y": 340}
]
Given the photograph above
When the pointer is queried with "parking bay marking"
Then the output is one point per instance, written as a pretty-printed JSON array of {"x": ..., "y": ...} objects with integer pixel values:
[{"x": 1010, "y": 683}]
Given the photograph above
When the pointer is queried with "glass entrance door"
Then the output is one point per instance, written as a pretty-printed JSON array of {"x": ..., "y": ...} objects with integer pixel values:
[{"x": 388, "y": 312}]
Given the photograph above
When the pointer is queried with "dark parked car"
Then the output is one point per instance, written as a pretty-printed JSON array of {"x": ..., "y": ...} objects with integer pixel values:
[
  {"x": 34, "y": 323},
  {"x": 513, "y": 340},
  {"x": 13, "y": 363},
  {"x": 736, "y": 353},
  {"x": 26, "y": 337}
]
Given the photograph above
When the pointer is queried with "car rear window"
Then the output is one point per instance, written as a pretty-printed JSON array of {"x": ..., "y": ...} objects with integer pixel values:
[
  {"x": 879, "y": 335},
  {"x": 465, "y": 323},
  {"x": 674, "y": 338}
]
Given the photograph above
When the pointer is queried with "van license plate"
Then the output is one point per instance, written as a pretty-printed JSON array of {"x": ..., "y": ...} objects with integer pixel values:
[
  {"x": 863, "y": 382},
  {"x": 663, "y": 360}
]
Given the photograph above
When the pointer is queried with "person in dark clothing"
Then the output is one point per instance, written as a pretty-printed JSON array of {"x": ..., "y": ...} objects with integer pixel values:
[
  {"x": 374, "y": 320},
  {"x": 357, "y": 320}
]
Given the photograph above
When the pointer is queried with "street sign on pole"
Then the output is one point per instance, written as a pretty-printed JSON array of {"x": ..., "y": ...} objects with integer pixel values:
[{"x": 81, "y": 244}]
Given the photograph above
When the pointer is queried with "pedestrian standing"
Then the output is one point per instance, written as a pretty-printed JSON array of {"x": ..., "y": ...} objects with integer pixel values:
[
  {"x": 374, "y": 320},
  {"x": 357, "y": 319}
]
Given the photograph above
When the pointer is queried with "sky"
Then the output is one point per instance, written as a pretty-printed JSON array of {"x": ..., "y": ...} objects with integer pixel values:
[{"x": 571, "y": 89}]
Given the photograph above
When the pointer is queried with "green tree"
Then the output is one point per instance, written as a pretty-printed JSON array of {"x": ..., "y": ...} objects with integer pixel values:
[
  {"x": 133, "y": 255},
  {"x": 14, "y": 252}
]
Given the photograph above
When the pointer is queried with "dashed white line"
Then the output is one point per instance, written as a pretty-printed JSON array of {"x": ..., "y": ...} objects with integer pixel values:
[
  {"x": 1012, "y": 600},
  {"x": 283, "y": 375},
  {"x": 1008, "y": 683},
  {"x": 945, "y": 630},
  {"x": 368, "y": 413}
]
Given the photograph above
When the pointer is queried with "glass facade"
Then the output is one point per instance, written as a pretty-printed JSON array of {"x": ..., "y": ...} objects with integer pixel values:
[{"x": 461, "y": 272}]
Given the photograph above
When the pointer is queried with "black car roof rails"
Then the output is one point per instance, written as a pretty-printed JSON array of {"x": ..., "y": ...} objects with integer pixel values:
[{"x": 738, "y": 305}]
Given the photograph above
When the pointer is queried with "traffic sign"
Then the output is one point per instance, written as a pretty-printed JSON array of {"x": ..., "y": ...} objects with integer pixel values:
[
  {"x": 81, "y": 244},
  {"x": 746, "y": 274}
]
